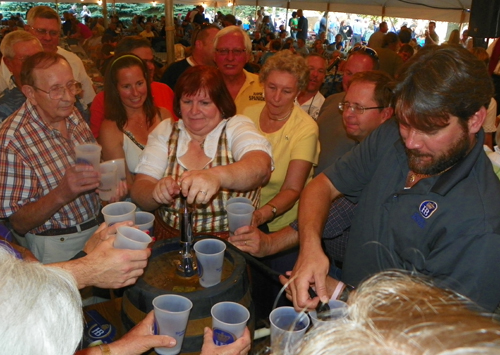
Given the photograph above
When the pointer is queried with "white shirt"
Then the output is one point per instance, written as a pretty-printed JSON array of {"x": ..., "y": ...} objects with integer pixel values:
[
  {"x": 313, "y": 105},
  {"x": 5, "y": 76},
  {"x": 79, "y": 74},
  {"x": 242, "y": 136}
]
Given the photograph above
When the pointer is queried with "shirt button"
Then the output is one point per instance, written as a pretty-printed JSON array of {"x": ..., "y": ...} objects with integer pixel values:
[{"x": 62, "y": 239}]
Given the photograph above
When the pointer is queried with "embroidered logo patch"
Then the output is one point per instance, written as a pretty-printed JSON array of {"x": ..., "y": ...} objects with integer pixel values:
[{"x": 427, "y": 208}]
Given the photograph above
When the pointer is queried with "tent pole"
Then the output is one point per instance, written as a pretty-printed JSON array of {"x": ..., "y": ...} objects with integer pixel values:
[
  {"x": 105, "y": 13},
  {"x": 327, "y": 18},
  {"x": 234, "y": 8},
  {"x": 462, "y": 19},
  {"x": 286, "y": 15},
  {"x": 169, "y": 31},
  {"x": 383, "y": 12}
]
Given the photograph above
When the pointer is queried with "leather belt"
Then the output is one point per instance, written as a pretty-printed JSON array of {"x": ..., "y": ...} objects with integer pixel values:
[{"x": 76, "y": 229}]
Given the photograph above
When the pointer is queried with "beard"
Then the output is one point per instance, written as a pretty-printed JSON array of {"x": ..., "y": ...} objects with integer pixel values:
[{"x": 439, "y": 163}]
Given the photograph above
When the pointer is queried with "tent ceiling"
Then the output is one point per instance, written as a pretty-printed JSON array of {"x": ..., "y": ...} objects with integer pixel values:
[{"x": 437, "y": 10}]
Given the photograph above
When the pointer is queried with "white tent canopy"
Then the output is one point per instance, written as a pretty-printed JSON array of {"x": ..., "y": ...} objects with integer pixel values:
[{"x": 437, "y": 10}]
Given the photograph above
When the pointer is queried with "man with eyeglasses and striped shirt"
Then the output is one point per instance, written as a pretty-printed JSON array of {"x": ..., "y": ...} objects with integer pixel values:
[
  {"x": 45, "y": 24},
  {"x": 50, "y": 200}
]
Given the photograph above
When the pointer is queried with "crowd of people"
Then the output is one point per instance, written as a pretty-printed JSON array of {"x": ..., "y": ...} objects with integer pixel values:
[{"x": 365, "y": 180}]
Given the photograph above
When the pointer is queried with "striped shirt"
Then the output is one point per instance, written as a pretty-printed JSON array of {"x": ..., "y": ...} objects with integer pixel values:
[{"x": 33, "y": 160}]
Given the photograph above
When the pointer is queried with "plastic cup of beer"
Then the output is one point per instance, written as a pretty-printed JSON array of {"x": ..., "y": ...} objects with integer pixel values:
[
  {"x": 171, "y": 317},
  {"x": 239, "y": 215},
  {"x": 210, "y": 257},
  {"x": 145, "y": 221},
  {"x": 88, "y": 154},
  {"x": 108, "y": 184},
  {"x": 131, "y": 238},
  {"x": 287, "y": 328},
  {"x": 229, "y": 320},
  {"x": 119, "y": 212},
  {"x": 338, "y": 310}
]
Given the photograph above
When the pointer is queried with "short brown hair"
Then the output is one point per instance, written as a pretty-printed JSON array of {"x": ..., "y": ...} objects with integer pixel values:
[
  {"x": 42, "y": 12},
  {"x": 382, "y": 94},
  {"x": 439, "y": 82},
  {"x": 203, "y": 77},
  {"x": 40, "y": 60}
]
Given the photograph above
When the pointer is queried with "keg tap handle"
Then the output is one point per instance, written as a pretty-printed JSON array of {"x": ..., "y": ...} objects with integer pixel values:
[{"x": 187, "y": 266}]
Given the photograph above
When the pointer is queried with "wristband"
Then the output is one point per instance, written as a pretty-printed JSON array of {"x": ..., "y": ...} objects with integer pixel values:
[
  {"x": 338, "y": 291},
  {"x": 274, "y": 209},
  {"x": 105, "y": 349}
]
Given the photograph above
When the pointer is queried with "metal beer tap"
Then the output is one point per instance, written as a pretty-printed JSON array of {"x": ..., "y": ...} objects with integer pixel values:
[{"x": 187, "y": 265}]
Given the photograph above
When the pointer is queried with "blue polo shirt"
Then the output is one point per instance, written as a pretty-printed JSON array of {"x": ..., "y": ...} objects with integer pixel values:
[{"x": 446, "y": 226}]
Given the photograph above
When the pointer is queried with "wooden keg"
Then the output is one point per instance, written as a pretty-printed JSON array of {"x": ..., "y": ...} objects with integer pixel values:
[{"x": 160, "y": 278}]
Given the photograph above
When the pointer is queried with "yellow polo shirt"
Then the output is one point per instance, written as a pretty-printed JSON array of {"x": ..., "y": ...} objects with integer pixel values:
[{"x": 251, "y": 93}]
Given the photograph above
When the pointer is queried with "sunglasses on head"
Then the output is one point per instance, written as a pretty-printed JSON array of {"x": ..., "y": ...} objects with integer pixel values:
[{"x": 370, "y": 51}]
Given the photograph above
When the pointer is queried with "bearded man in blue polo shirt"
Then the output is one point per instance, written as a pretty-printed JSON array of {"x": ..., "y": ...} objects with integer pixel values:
[{"x": 426, "y": 191}]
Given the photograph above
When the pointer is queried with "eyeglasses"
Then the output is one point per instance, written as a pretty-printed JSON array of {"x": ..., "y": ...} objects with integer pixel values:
[
  {"x": 57, "y": 92},
  {"x": 236, "y": 52},
  {"x": 44, "y": 32},
  {"x": 370, "y": 51},
  {"x": 346, "y": 105}
]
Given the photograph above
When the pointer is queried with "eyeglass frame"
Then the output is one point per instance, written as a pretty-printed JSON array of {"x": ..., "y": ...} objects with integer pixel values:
[
  {"x": 368, "y": 50},
  {"x": 239, "y": 52},
  {"x": 43, "y": 31},
  {"x": 65, "y": 87},
  {"x": 354, "y": 107}
]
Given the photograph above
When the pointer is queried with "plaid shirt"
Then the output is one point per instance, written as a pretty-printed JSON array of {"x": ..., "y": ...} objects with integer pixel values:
[
  {"x": 337, "y": 228},
  {"x": 211, "y": 217},
  {"x": 33, "y": 160}
]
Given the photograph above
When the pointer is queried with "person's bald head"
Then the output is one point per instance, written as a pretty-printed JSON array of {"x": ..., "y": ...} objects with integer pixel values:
[{"x": 358, "y": 61}]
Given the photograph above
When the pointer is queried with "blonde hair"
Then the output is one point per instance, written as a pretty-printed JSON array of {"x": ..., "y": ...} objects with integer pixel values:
[
  {"x": 288, "y": 62},
  {"x": 397, "y": 313}
]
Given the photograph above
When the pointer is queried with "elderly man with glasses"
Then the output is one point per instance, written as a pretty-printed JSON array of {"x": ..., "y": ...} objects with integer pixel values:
[
  {"x": 50, "y": 200},
  {"x": 233, "y": 48},
  {"x": 45, "y": 24}
]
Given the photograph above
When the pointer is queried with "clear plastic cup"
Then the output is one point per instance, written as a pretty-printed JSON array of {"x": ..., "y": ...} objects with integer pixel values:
[
  {"x": 171, "y": 317},
  {"x": 239, "y": 200},
  {"x": 119, "y": 212},
  {"x": 88, "y": 154},
  {"x": 287, "y": 328},
  {"x": 210, "y": 257},
  {"x": 131, "y": 238},
  {"x": 338, "y": 309},
  {"x": 145, "y": 221},
  {"x": 108, "y": 184},
  {"x": 229, "y": 320},
  {"x": 120, "y": 169},
  {"x": 239, "y": 215}
]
